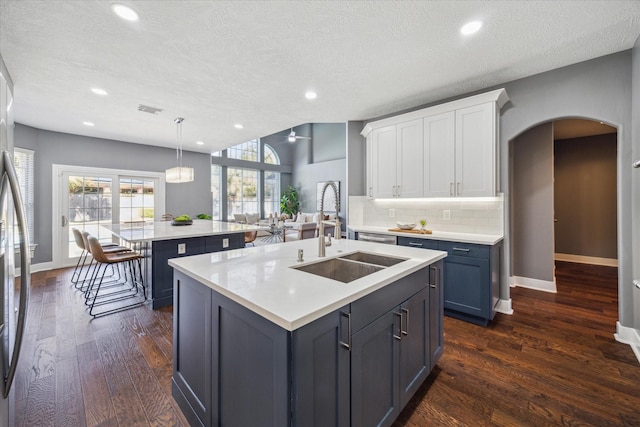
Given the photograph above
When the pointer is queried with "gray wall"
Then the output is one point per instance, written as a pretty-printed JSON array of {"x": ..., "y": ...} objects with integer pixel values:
[
  {"x": 599, "y": 90},
  {"x": 532, "y": 204},
  {"x": 356, "y": 155},
  {"x": 329, "y": 140},
  {"x": 631, "y": 295},
  {"x": 61, "y": 148},
  {"x": 585, "y": 193}
]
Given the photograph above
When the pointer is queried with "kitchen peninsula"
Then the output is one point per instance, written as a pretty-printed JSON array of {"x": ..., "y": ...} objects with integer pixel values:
[
  {"x": 160, "y": 240},
  {"x": 261, "y": 338}
]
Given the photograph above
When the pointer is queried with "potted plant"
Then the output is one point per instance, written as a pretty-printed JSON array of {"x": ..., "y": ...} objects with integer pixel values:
[{"x": 289, "y": 203}]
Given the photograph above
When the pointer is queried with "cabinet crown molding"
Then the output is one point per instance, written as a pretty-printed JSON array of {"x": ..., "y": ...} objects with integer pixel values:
[{"x": 499, "y": 96}]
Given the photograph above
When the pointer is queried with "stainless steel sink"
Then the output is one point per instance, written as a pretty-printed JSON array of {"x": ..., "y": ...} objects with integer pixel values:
[
  {"x": 369, "y": 258},
  {"x": 340, "y": 269},
  {"x": 348, "y": 268}
]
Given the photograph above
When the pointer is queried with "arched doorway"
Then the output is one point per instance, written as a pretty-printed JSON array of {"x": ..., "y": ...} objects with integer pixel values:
[{"x": 563, "y": 203}]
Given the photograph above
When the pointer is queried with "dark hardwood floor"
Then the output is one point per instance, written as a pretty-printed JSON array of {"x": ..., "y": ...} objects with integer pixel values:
[{"x": 554, "y": 362}]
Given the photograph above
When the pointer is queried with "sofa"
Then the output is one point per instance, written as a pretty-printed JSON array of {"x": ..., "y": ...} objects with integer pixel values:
[
  {"x": 298, "y": 226},
  {"x": 253, "y": 219}
]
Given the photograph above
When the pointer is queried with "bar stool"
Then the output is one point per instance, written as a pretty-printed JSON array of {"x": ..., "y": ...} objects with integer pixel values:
[
  {"x": 128, "y": 285},
  {"x": 82, "y": 268}
]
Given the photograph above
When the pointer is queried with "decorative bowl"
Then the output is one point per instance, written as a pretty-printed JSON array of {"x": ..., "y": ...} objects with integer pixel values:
[
  {"x": 405, "y": 226},
  {"x": 174, "y": 222}
]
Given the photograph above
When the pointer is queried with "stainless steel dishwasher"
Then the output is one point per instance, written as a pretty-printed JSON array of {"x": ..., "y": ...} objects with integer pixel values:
[{"x": 377, "y": 238}]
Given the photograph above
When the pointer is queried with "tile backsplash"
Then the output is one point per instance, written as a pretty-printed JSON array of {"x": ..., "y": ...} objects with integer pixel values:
[{"x": 484, "y": 216}]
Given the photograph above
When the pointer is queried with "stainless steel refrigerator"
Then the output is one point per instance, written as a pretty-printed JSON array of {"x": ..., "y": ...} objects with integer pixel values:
[{"x": 14, "y": 243}]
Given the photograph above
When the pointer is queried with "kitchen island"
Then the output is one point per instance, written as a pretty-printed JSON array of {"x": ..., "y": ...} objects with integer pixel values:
[
  {"x": 260, "y": 341},
  {"x": 160, "y": 240}
]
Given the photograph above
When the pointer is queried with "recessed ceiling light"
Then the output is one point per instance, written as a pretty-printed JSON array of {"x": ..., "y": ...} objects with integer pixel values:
[
  {"x": 88, "y": 123},
  {"x": 238, "y": 126},
  {"x": 311, "y": 95},
  {"x": 99, "y": 91},
  {"x": 200, "y": 142},
  {"x": 471, "y": 27},
  {"x": 125, "y": 12}
]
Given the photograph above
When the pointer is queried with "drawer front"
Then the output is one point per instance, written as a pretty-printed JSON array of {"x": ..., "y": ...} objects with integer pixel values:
[
  {"x": 465, "y": 249},
  {"x": 418, "y": 243}
]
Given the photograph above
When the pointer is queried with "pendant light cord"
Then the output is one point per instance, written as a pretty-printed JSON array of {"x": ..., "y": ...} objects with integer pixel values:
[{"x": 179, "y": 121}]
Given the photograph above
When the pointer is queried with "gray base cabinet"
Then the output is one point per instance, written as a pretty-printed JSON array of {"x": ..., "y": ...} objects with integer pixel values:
[
  {"x": 471, "y": 278},
  {"x": 358, "y": 365},
  {"x": 230, "y": 365},
  {"x": 162, "y": 250},
  {"x": 321, "y": 384}
]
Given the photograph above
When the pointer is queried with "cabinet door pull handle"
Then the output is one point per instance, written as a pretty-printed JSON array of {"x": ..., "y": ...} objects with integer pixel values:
[
  {"x": 415, "y": 244},
  {"x": 433, "y": 276},
  {"x": 398, "y": 191},
  {"x": 347, "y": 344},
  {"x": 406, "y": 322},
  {"x": 399, "y": 336},
  {"x": 458, "y": 192},
  {"x": 370, "y": 191},
  {"x": 451, "y": 188},
  {"x": 461, "y": 249}
]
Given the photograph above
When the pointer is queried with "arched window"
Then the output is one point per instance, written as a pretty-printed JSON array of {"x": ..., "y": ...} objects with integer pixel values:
[
  {"x": 253, "y": 187},
  {"x": 270, "y": 155},
  {"x": 246, "y": 151}
]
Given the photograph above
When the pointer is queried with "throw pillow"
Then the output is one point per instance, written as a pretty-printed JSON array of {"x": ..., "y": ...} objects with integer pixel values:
[
  {"x": 301, "y": 218},
  {"x": 240, "y": 218},
  {"x": 252, "y": 218}
]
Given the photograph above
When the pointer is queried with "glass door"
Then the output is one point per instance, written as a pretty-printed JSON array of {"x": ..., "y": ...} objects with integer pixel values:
[
  {"x": 89, "y": 206},
  {"x": 89, "y": 198},
  {"x": 137, "y": 200}
]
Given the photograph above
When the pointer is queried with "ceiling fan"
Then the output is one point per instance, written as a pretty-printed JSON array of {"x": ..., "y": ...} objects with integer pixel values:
[{"x": 293, "y": 137}]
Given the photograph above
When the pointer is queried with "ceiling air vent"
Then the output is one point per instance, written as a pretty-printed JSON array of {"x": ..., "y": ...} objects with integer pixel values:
[{"x": 148, "y": 109}]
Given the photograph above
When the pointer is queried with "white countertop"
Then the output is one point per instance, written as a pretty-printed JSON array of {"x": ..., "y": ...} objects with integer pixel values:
[
  {"x": 481, "y": 239},
  {"x": 260, "y": 279},
  {"x": 163, "y": 230}
]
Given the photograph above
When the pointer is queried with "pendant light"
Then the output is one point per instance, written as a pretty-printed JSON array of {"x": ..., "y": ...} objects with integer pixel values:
[{"x": 179, "y": 173}]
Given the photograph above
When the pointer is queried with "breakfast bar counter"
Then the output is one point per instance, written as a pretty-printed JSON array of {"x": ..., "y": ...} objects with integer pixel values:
[{"x": 160, "y": 241}]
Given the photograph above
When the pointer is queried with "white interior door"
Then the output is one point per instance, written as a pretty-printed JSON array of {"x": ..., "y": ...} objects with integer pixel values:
[{"x": 89, "y": 198}]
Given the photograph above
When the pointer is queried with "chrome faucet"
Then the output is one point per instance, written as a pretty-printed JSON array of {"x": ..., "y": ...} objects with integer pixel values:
[{"x": 321, "y": 241}]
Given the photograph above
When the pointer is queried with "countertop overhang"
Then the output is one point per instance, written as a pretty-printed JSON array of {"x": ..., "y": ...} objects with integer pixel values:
[
  {"x": 481, "y": 239},
  {"x": 164, "y": 230},
  {"x": 262, "y": 280}
]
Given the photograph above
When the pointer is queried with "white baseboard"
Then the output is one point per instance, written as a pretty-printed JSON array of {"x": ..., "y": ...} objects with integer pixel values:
[
  {"x": 537, "y": 284},
  {"x": 504, "y": 306},
  {"x": 35, "y": 268},
  {"x": 628, "y": 336},
  {"x": 609, "y": 262}
]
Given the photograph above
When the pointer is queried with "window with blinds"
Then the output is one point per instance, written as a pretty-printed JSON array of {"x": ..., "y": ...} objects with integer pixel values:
[{"x": 24, "y": 162}]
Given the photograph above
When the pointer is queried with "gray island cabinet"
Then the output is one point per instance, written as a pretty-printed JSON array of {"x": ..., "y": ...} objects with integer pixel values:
[{"x": 258, "y": 343}]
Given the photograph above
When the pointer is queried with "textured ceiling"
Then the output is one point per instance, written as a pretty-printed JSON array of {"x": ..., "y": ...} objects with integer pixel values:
[{"x": 217, "y": 63}]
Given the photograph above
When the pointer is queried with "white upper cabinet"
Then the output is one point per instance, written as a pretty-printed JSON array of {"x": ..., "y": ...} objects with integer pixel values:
[
  {"x": 448, "y": 150},
  {"x": 439, "y": 155},
  {"x": 476, "y": 151},
  {"x": 396, "y": 161},
  {"x": 383, "y": 164},
  {"x": 409, "y": 159}
]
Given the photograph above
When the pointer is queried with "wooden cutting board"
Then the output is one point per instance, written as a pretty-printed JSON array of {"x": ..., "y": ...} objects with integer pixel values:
[{"x": 411, "y": 231}]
